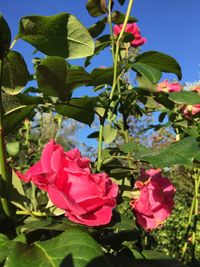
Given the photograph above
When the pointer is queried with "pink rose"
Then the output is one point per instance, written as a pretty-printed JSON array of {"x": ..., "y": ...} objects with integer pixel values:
[
  {"x": 87, "y": 198},
  {"x": 190, "y": 110},
  {"x": 196, "y": 88},
  {"x": 134, "y": 30},
  {"x": 153, "y": 199},
  {"x": 168, "y": 87}
]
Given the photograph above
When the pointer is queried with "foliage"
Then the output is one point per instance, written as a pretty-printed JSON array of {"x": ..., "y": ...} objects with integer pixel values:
[{"x": 34, "y": 230}]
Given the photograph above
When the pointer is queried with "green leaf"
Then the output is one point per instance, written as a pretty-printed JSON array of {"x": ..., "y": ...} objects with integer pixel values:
[
  {"x": 100, "y": 44},
  {"x": 160, "y": 61},
  {"x": 15, "y": 73},
  {"x": 59, "y": 35},
  {"x": 109, "y": 134},
  {"x": 182, "y": 152},
  {"x": 145, "y": 84},
  {"x": 121, "y": 2},
  {"x": 150, "y": 73},
  {"x": 130, "y": 147},
  {"x": 158, "y": 259},
  {"x": 12, "y": 148},
  {"x": 73, "y": 248},
  {"x": 5, "y": 37},
  {"x": 118, "y": 18},
  {"x": 51, "y": 76},
  {"x": 185, "y": 97},
  {"x": 11, "y": 103},
  {"x": 4, "y": 245},
  {"x": 32, "y": 224},
  {"x": 96, "y": 7},
  {"x": 80, "y": 109},
  {"x": 13, "y": 119},
  {"x": 97, "y": 28},
  {"x": 103, "y": 76},
  {"x": 77, "y": 76}
]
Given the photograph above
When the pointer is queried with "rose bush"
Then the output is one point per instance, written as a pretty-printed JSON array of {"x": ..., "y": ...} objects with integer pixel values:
[
  {"x": 87, "y": 198},
  {"x": 134, "y": 30},
  {"x": 168, "y": 87},
  {"x": 154, "y": 202}
]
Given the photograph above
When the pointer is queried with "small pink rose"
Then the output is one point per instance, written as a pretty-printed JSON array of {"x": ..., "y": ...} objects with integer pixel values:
[
  {"x": 134, "y": 30},
  {"x": 87, "y": 198},
  {"x": 196, "y": 88},
  {"x": 190, "y": 110},
  {"x": 168, "y": 87},
  {"x": 155, "y": 201}
]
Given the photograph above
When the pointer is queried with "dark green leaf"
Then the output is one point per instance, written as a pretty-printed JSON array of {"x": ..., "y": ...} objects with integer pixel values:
[
  {"x": 158, "y": 259},
  {"x": 51, "y": 76},
  {"x": 130, "y": 147},
  {"x": 97, "y": 28},
  {"x": 80, "y": 109},
  {"x": 185, "y": 97},
  {"x": 15, "y": 73},
  {"x": 161, "y": 62},
  {"x": 77, "y": 76},
  {"x": 13, "y": 119},
  {"x": 163, "y": 99},
  {"x": 100, "y": 44},
  {"x": 121, "y": 2},
  {"x": 33, "y": 224},
  {"x": 72, "y": 248},
  {"x": 182, "y": 152},
  {"x": 59, "y": 35},
  {"x": 150, "y": 73},
  {"x": 93, "y": 135},
  {"x": 192, "y": 131},
  {"x": 118, "y": 18},
  {"x": 11, "y": 103},
  {"x": 103, "y": 76},
  {"x": 4, "y": 245},
  {"x": 96, "y": 7},
  {"x": 5, "y": 37}
]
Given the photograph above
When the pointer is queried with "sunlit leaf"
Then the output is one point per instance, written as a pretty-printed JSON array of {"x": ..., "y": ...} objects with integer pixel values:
[
  {"x": 74, "y": 248},
  {"x": 185, "y": 97},
  {"x": 150, "y": 73},
  {"x": 160, "y": 61},
  {"x": 59, "y": 35},
  {"x": 15, "y": 73}
]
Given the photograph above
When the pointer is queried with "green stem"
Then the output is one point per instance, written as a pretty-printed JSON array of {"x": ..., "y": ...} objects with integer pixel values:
[
  {"x": 115, "y": 55},
  {"x": 130, "y": 4},
  {"x": 111, "y": 29},
  {"x": 34, "y": 199},
  {"x": 3, "y": 164},
  {"x": 193, "y": 210},
  {"x": 99, "y": 160},
  {"x": 32, "y": 213},
  {"x": 13, "y": 43},
  {"x": 196, "y": 204}
]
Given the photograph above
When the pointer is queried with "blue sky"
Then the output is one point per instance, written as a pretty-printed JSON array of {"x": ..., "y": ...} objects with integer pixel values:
[{"x": 171, "y": 27}]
